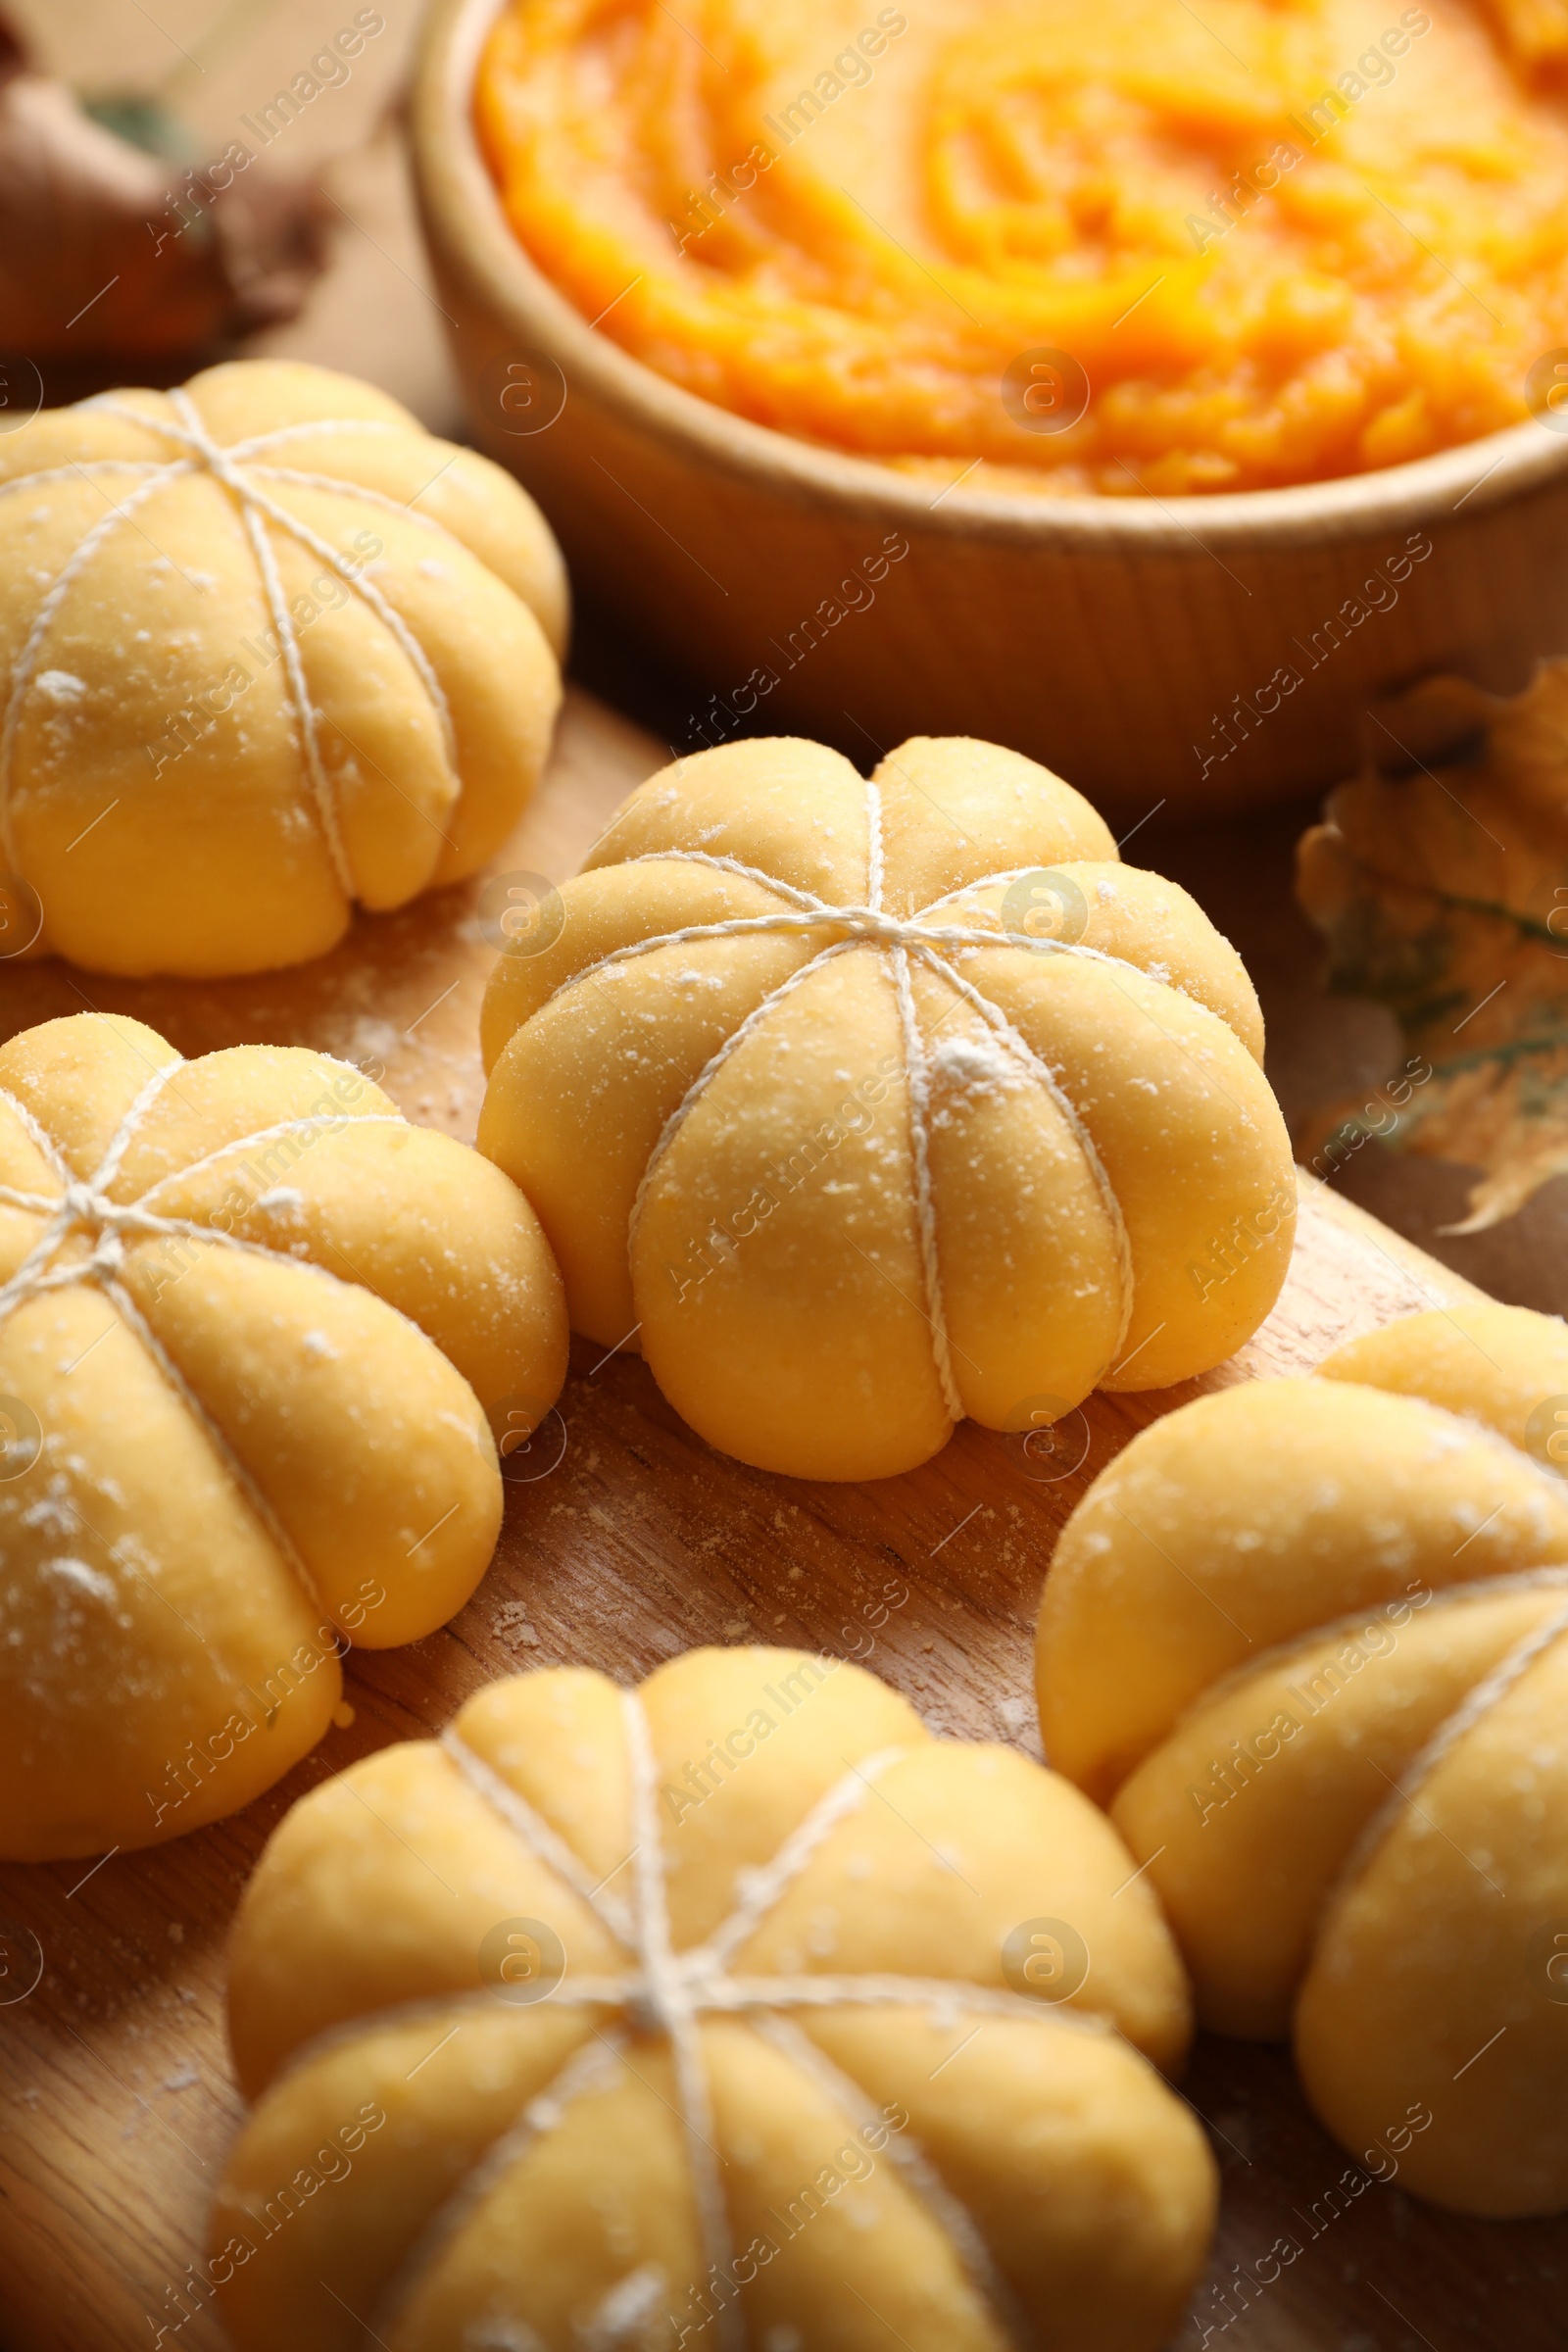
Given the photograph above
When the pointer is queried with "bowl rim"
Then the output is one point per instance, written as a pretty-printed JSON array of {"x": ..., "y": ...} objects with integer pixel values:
[{"x": 464, "y": 209}]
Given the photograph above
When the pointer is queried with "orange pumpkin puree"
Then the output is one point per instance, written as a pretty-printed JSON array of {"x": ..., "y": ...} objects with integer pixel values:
[{"x": 1112, "y": 246}]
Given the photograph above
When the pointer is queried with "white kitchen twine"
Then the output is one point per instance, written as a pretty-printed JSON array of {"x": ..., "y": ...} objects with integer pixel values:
[
  {"x": 233, "y": 468},
  {"x": 898, "y": 940},
  {"x": 84, "y": 1209},
  {"x": 668, "y": 1991},
  {"x": 1479, "y": 1701}
]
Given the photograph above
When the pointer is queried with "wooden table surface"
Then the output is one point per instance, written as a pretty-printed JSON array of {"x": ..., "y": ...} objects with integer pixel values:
[{"x": 116, "y": 2098}]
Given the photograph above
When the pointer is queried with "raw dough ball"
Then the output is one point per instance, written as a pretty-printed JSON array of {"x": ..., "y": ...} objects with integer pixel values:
[
  {"x": 250, "y": 1326},
  {"x": 1309, "y": 1640},
  {"x": 268, "y": 648},
  {"x": 705, "y": 2011},
  {"x": 913, "y": 1102}
]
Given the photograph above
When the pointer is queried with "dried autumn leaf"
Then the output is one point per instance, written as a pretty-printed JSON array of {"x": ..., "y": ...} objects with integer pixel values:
[
  {"x": 93, "y": 261},
  {"x": 1439, "y": 880}
]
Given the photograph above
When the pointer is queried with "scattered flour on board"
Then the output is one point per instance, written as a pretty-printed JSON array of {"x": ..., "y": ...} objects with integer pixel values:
[{"x": 513, "y": 1624}]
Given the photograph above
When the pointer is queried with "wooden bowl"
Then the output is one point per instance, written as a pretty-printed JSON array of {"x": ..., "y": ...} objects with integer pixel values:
[{"x": 1142, "y": 648}]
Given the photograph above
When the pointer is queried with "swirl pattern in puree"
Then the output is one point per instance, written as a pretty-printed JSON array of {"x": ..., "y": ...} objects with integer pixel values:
[{"x": 1284, "y": 240}]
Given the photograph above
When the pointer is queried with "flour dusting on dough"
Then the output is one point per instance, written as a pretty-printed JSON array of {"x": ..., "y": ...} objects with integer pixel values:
[
  {"x": 77, "y": 1577},
  {"x": 975, "y": 1067},
  {"x": 620, "y": 2318},
  {"x": 501, "y": 2334},
  {"x": 282, "y": 1201}
]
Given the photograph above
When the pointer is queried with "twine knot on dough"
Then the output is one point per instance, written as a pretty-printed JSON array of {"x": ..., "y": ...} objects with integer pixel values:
[
  {"x": 902, "y": 941},
  {"x": 666, "y": 1993},
  {"x": 84, "y": 1211},
  {"x": 86, "y": 1207}
]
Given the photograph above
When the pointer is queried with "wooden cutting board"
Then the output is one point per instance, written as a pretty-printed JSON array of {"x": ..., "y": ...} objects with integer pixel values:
[{"x": 116, "y": 2100}]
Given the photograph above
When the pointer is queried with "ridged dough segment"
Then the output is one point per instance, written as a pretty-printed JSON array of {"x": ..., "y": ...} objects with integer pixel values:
[
  {"x": 614, "y": 907},
  {"x": 955, "y": 809},
  {"x": 1251, "y": 1807},
  {"x": 20, "y": 1232},
  {"x": 873, "y": 2257},
  {"x": 1441, "y": 1979},
  {"x": 347, "y": 2161},
  {"x": 827, "y": 1262},
  {"x": 788, "y": 808},
  {"x": 404, "y": 1837},
  {"x": 1095, "y": 2185},
  {"x": 1191, "y": 1141},
  {"x": 875, "y": 1900},
  {"x": 470, "y": 498},
  {"x": 1137, "y": 918},
  {"x": 383, "y": 749},
  {"x": 558, "y": 1739},
  {"x": 490, "y": 660},
  {"x": 78, "y": 1077},
  {"x": 577, "y": 1145},
  {"x": 1068, "y": 2132},
  {"x": 24, "y": 1168},
  {"x": 182, "y": 614},
  {"x": 1501, "y": 1365},
  {"x": 747, "y": 1741},
  {"x": 239, "y": 398},
  {"x": 415, "y": 1218},
  {"x": 578, "y": 2215},
  {"x": 1251, "y": 1517},
  {"x": 369, "y": 1449},
  {"x": 128, "y": 1660},
  {"x": 57, "y": 440},
  {"x": 237, "y": 1095},
  {"x": 1027, "y": 1247},
  {"x": 300, "y": 1153},
  {"x": 494, "y": 656},
  {"x": 367, "y": 437}
]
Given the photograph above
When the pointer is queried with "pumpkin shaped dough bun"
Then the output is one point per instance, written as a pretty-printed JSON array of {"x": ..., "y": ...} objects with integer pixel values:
[
  {"x": 861, "y": 1106},
  {"x": 254, "y": 1328},
  {"x": 267, "y": 649},
  {"x": 735, "y": 2010},
  {"x": 1308, "y": 1639}
]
